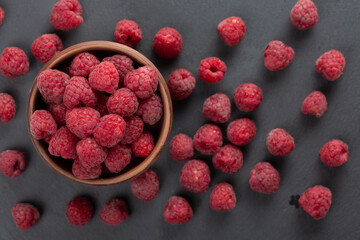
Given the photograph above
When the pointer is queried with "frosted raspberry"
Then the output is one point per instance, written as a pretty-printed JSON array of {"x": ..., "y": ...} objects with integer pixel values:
[
  {"x": 223, "y": 197},
  {"x": 195, "y": 176},
  {"x": 134, "y": 129},
  {"x": 167, "y": 43},
  {"x": 142, "y": 81},
  {"x": 146, "y": 186},
  {"x": 78, "y": 92},
  {"x": 58, "y": 111},
  {"x": 279, "y": 142},
  {"x": 82, "y": 121},
  {"x": 46, "y": 47},
  {"x": 42, "y": 125},
  {"x": 151, "y": 109},
  {"x": 264, "y": 178},
  {"x": 101, "y": 104},
  {"x": 2, "y": 15},
  {"x": 330, "y": 65},
  {"x": 110, "y": 130},
  {"x": 177, "y": 210},
  {"x": 181, "y": 147},
  {"x": 51, "y": 84},
  {"x": 90, "y": 153},
  {"x": 13, "y": 62},
  {"x": 118, "y": 158},
  {"x": 7, "y": 107},
  {"x": 12, "y": 163},
  {"x": 114, "y": 212},
  {"x": 228, "y": 159},
  {"x": 104, "y": 77},
  {"x": 304, "y": 14},
  {"x": 247, "y": 97},
  {"x": 128, "y": 32},
  {"x": 123, "y": 65},
  {"x": 277, "y": 55},
  {"x": 231, "y": 30},
  {"x": 208, "y": 139},
  {"x": 314, "y": 104},
  {"x": 212, "y": 70},
  {"x": 217, "y": 108},
  {"x": 334, "y": 153},
  {"x": 123, "y": 102},
  {"x": 25, "y": 215},
  {"x": 241, "y": 131},
  {"x": 63, "y": 144},
  {"x": 83, "y": 64},
  {"x": 181, "y": 84},
  {"x": 81, "y": 172},
  {"x": 316, "y": 201},
  {"x": 143, "y": 146},
  {"x": 66, "y": 15},
  {"x": 79, "y": 211}
]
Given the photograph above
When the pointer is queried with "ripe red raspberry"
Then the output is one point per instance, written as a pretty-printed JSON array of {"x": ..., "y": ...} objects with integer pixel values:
[
  {"x": 330, "y": 65},
  {"x": 316, "y": 201},
  {"x": 58, "y": 111},
  {"x": 81, "y": 172},
  {"x": 146, "y": 186},
  {"x": 118, "y": 158},
  {"x": 51, "y": 84},
  {"x": 83, "y": 64},
  {"x": 78, "y": 92},
  {"x": 46, "y": 47},
  {"x": 2, "y": 15},
  {"x": 231, "y": 30},
  {"x": 241, "y": 131},
  {"x": 104, "y": 77},
  {"x": 63, "y": 144},
  {"x": 110, "y": 130},
  {"x": 114, "y": 212},
  {"x": 25, "y": 215},
  {"x": 151, "y": 110},
  {"x": 223, "y": 197},
  {"x": 212, "y": 70},
  {"x": 79, "y": 211},
  {"x": 195, "y": 176},
  {"x": 177, "y": 210},
  {"x": 314, "y": 104},
  {"x": 13, "y": 62},
  {"x": 143, "y": 146},
  {"x": 279, "y": 142},
  {"x": 228, "y": 159},
  {"x": 334, "y": 153},
  {"x": 142, "y": 81},
  {"x": 181, "y": 147},
  {"x": 42, "y": 125},
  {"x": 123, "y": 102},
  {"x": 304, "y": 14},
  {"x": 7, "y": 107},
  {"x": 264, "y": 178},
  {"x": 82, "y": 121},
  {"x": 123, "y": 65},
  {"x": 181, "y": 84},
  {"x": 66, "y": 15},
  {"x": 101, "y": 104},
  {"x": 208, "y": 139},
  {"x": 167, "y": 43},
  {"x": 12, "y": 163},
  {"x": 128, "y": 32},
  {"x": 90, "y": 153},
  {"x": 247, "y": 97},
  {"x": 217, "y": 108},
  {"x": 277, "y": 55},
  {"x": 134, "y": 129}
]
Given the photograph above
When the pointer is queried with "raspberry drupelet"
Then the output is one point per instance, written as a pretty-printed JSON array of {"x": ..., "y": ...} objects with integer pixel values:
[
  {"x": 217, "y": 108},
  {"x": 146, "y": 186},
  {"x": 25, "y": 215},
  {"x": 277, "y": 55},
  {"x": 51, "y": 84},
  {"x": 181, "y": 147},
  {"x": 2, "y": 16},
  {"x": 12, "y": 163},
  {"x": 181, "y": 84},
  {"x": 118, "y": 158},
  {"x": 46, "y": 47},
  {"x": 208, "y": 139},
  {"x": 304, "y": 14},
  {"x": 100, "y": 106},
  {"x": 104, "y": 77},
  {"x": 58, "y": 111},
  {"x": 195, "y": 176},
  {"x": 134, "y": 129},
  {"x": 151, "y": 110},
  {"x": 264, "y": 178},
  {"x": 42, "y": 125},
  {"x": 223, "y": 197},
  {"x": 78, "y": 92},
  {"x": 247, "y": 97},
  {"x": 63, "y": 144},
  {"x": 110, "y": 130},
  {"x": 128, "y": 32},
  {"x": 167, "y": 43},
  {"x": 79, "y": 211},
  {"x": 90, "y": 153},
  {"x": 82, "y": 121},
  {"x": 212, "y": 70},
  {"x": 83, "y": 64},
  {"x": 13, "y": 62},
  {"x": 314, "y": 104},
  {"x": 316, "y": 201},
  {"x": 334, "y": 153},
  {"x": 279, "y": 142},
  {"x": 123, "y": 65},
  {"x": 114, "y": 212},
  {"x": 177, "y": 210},
  {"x": 240, "y": 132},
  {"x": 82, "y": 172},
  {"x": 142, "y": 81},
  {"x": 231, "y": 30},
  {"x": 123, "y": 102},
  {"x": 228, "y": 159},
  {"x": 331, "y": 65},
  {"x": 7, "y": 108},
  {"x": 66, "y": 15},
  {"x": 143, "y": 146}
]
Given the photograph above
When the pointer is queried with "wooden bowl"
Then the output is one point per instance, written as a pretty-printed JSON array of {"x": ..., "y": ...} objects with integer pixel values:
[{"x": 104, "y": 48}]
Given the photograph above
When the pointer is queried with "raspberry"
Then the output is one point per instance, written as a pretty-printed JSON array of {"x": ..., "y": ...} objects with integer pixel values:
[
  {"x": 123, "y": 65},
  {"x": 123, "y": 102},
  {"x": 279, "y": 142},
  {"x": 90, "y": 153},
  {"x": 79, "y": 211},
  {"x": 223, "y": 197},
  {"x": 146, "y": 186},
  {"x": 217, "y": 108},
  {"x": 231, "y": 30},
  {"x": 241, "y": 131},
  {"x": 66, "y": 15},
  {"x": 63, "y": 144},
  {"x": 104, "y": 77},
  {"x": 128, "y": 32},
  {"x": 133, "y": 130},
  {"x": 264, "y": 178},
  {"x": 195, "y": 176},
  {"x": 12, "y": 163},
  {"x": 167, "y": 43},
  {"x": 181, "y": 84},
  {"x": 81, "y": 172},
  {"x": 316, "y": 201},
  {"x": 177, "y": 210},
  {"x": 151, "y": 110},
  {"x": 25, "y": 215},
  {"x": 181, "y": 147},
  {"x": 118, "y": 158},
  {"x": 82, "y": 121},
  {"x": 208, "y": 139},
  {"x": 277, "y": 55},
  {"x": 2, "y": 15},
  {"x": 314, "y": 104},
  {"x": 13, "y": 62},
  {"x": 228, "y": 159},
  {"x": 212, "y": 70},
  {"x": 7, "y": 107},
  {"x": 143, "y": 146},
  {"x": 78, "y": 92},
  {"x": 142, "y": 81},
  {"x": 51, "y": 84},
  {"x": 247, "y": 97},
  {"x": 304, "y": 14},
  {"x": 83, "y": 64},
  {"x": 330, "y": 65},
  {"x": 101, "y": 104},
  {"x": 58, "y": 111},
  {"x": 334, "y": 153},
  {"x": 46, "y": 47},
  {"x": 110, "y": 130},
  {"x": 114, "y": 212},
  {"x": 42, "y": 125}
]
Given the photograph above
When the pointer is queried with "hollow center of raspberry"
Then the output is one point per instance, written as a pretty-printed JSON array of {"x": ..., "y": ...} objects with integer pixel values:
[{"x": 213, "y": 69}]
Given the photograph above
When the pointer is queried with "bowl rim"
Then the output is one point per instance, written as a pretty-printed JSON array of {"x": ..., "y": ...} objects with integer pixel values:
[{"x": 166, "y": 124}]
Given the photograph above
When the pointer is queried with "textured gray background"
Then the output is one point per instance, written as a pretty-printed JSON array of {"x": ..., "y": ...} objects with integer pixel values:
[{"x": 256, "y": 216}]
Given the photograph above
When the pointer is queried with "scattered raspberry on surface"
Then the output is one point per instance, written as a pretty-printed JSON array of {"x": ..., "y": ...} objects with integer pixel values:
[
  {"x": 110, "y": 130},
  {"x": 82, "y": 121},
  {"x": 151, "y": 110},
  {"x": 247, "y": 97},
  {"x": 13, "y": 62},
  {"x": 181, "y": 84},
  {"x": 25, "y": 215},
  {"x": 330, "y": 65},
  {"x": 7, "y": 108},
  {"x": 134, "y": 129},
  {"x": 104, "y": 77},
  {"x": 42, "y": 125},
  {"x": 123, "y": 102},
  {"x": 195, "y": 176},
  {"x": 279, "y": 142},
  {"x": 142, "y": 81},
  {"x": 223, "y": 197},
  {"x": 208, "y": 139},
  {"x": 66, "y": 15},
  {"x": 143, "y": 146},
  {"x": 90, "y": 153},
  {"x": 177, "y": 210},
  {"x": 241, "y": 131},
  {"x": 46, "y": 47},
  {"x": 145, "y": 186},
  {"x": 101, "y": 104},
  {"x": 304, "y": 14},
  {"x": 217, "y": 108},
  {"x": 58, "y": 111},
  {"x": 181, "y": 147},
  {"x": 167, "y": 43},
  {"x": 334, "y": 153},
  {"x": 83, "y": 64},
  {"x": 277, "y": 55},
  {"x": 123, "y": 65},
  {"x": 51, "y": 84},
  {"x": 128, "y": 32},
  {"x": 63, "y": 144},
  {"x": 2, "y": 15},
  {"x": 212, "y": 70},
  {"x": 114, "y": 212},
  {"x": 12, "y": 163},
  {"x": 81, "y": 172},
  {"x": 231, "y": 30},
  {"x": 78, "y": 92},
  {"x": 118, "y": 158},
  {"x": 79, "y": 211},
  {"x": 228, "y": 159},
  {"x": 264, "y": 178},
  {"x": 314, "y": 104},
  {"x": 316, "y": 201}
]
